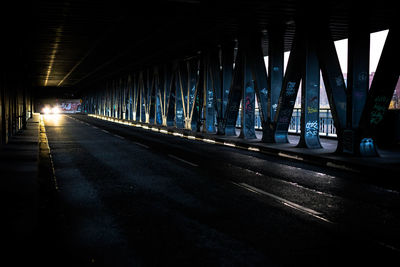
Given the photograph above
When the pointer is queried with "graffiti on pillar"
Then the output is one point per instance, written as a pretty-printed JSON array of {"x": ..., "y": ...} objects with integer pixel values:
[
  {"x": 248, "y": 104},
  {"x": 363, "y": 76},
  {"x": 264, "y": 91},
  {"x": 312, "y": 128},
  {"x": 249, "y": 114},
  {"x": 313, "y": 105},
  {"x": 248, "y": 111},
  {"x": 311, "y": 110},
  {"x": 290, "y": 90},
  {"x": 339, "y": 80},
  {"x": 179, "y": 115},
  {"x": 285, "y": 116},
  {"x": 192, "y": 95},
  {"x": 378, "y": 109},
  {"x": 210, "y": 98}
]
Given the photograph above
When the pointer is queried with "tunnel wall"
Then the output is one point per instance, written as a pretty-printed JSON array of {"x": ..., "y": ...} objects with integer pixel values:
[
  {"x": 15, "y": 86},
  {"x": 15, "y": 105}
]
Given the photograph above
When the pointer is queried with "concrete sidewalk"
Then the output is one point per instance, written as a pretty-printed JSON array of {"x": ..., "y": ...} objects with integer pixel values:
[
  {"x": 383, "y": 170},
  {"x": 388, "y": 161},
  {"x": 19, "y": 194}
]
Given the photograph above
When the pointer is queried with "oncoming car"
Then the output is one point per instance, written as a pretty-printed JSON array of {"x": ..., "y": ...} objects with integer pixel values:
[{"x": 51, "y": 110}]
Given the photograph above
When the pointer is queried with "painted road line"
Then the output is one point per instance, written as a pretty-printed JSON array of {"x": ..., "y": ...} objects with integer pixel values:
[
  {"x": 105, "y": 131},
  {"x": 339, "y": 166},
  {"x": 142, "y": 145},
  {"x": 94, "y": 127},
  {"x": 229, "y": 144},
  {"x": 289, "y": 156},
  {"x": 43, "y": 139},
  {"x": 182, "y": 160},
  {"x": 388, "y": 246},
  {"x": 118, "y": 136},
  {"x": 177, "y": 134},
  {"x": 285, "y": 202}
]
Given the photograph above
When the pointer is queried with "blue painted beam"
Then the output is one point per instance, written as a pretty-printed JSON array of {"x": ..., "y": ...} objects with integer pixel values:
[
  {"x": 288, "y": 94},
  {"x": 310, "y": 94},
  {"x": 380, "y": 93}
]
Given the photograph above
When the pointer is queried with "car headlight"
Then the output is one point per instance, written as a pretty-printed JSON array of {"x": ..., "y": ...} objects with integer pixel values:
[{"x": 56, "y": 110}]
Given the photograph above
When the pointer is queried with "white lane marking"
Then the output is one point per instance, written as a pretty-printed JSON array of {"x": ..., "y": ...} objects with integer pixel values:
[
  {"x": 118, "y": 136},
  {"x": 295, "y": 184},
  {"x": 182, "y": 160},
  {"x": 142, "y": 145},
  {"x": 339, "y": 166},
  {"x": 94, "y": 127},
  {"x": 229, "y": 144},
  {"x": 289, "y": 156},
  {"x": 389, "y": 246},
  {"x": 177, "y": 134},
  {"x": 285, "y": 202},
  {"x": 105, "y": 131}
]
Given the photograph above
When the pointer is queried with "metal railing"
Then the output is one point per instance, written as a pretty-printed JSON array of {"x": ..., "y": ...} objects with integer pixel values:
[{"x": 326, "y": 125}]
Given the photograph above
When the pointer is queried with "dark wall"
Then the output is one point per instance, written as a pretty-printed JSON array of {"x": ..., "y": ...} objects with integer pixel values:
[
  {"x": 15, "y": 106},
  {"x": 15, "y": 92}
]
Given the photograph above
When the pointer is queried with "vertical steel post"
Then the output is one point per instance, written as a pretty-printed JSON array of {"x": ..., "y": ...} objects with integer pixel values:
[
  {"x": 310, "y": 89},
  {"x": 357, "y": 83},
  {"x": 256, "y": 65},
  {"x": 157, "y": 92},
  {"x": 211, "y": 88},
  {"x": 290, "y": 87},
  {"x": 275, "y": 77},
  {"x": 179, "y": 103},
  {"x": 235, "y": 96},
  {"x": 227, "y": 60},
  {"x": 334, "y": 82},
  {"x": 380, "y": 93},
  {"x": 249, "y": 97},
  {"x": 192, "y": 90}
]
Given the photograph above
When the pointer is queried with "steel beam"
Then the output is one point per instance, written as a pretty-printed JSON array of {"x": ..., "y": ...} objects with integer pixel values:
[
  {"x": 235, "y": 96},
  {"x": 130, "y": 97},
  {"x": 188, "y": 87},
  {"x": 334, "y": 84},
  {"x": 248, "y": 99},
  {"x": 192, "y": 66},
  {"x": 136, "y": 98},
  {"x": 288, "y": 94},
  {"x": 212, "y": 91},
  {"x": 157, "y": 99},
  {"x": 358, "y": 73},
  {"x": 310, "y": 93},
  {"x": 380, "y": 93},
  {"x": 275, "y": 79},
  {"x": 151, "y": 99},
  {"x": 357, "y": 85},
  {"x": 227, "y": 60},
  {"x": 179, "y": 103}
]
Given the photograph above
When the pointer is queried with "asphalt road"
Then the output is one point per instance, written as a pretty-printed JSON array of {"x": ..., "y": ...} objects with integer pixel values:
[{"x": 132, "y": 197}]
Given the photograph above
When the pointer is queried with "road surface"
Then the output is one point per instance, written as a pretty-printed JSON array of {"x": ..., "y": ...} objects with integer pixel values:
[{"x": 133, "y": 197}]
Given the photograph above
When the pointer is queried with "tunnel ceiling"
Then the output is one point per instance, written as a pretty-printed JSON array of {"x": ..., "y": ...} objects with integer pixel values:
[{"x": 76, "y": 43}]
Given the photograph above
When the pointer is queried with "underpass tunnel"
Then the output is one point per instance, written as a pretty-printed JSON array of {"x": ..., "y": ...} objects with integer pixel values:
[{"x": 154, "y": 117}]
